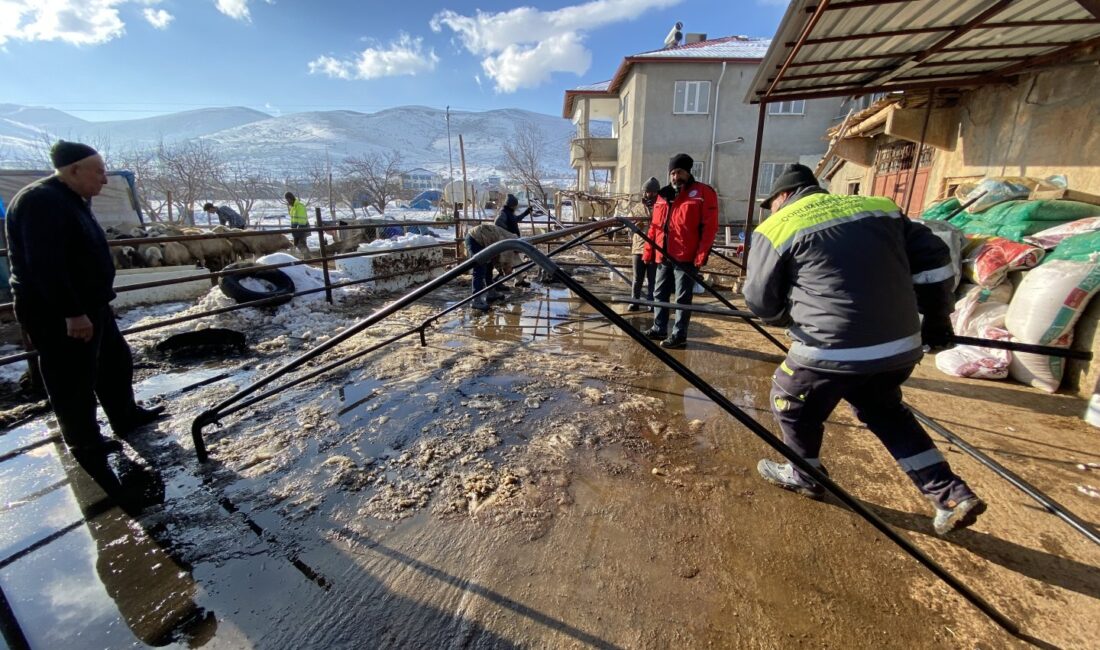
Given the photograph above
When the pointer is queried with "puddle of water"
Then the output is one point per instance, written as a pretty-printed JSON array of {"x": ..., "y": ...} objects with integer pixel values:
[{"x": 173, "y": 382}]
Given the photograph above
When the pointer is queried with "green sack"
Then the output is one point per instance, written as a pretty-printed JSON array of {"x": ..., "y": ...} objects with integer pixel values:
[
  {"x": 1020, "y": 211},
  {"x": 939, "y": 211},
  {"x": 1079, "y": 248},
  {"x": 1011, "y": 231}
]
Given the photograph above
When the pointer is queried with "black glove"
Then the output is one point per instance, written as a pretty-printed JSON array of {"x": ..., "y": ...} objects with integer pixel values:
[
  {"x": 668, "y": 192},
  {"x": 936, "y": 332}
]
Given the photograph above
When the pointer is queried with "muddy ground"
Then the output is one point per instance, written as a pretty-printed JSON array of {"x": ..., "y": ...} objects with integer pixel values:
[{"x": 530, "y": 478}]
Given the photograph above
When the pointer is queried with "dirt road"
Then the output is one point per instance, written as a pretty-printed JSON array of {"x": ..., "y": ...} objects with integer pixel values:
[{"x": 532, "y": 480}]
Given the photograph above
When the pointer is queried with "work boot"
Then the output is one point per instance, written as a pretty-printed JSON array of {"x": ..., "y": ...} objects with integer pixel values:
[
  {"x": 634, "y": 307},
  {"x": 492, "y": 295},
  {"x": 957, "y": 515},
  {"x": 522, "y": 284},
  {"x": 138, "y": 418},
  {"x": 480, "y": 303},
  {"x": 674, "y": 342},
  {"x": 655, "y": 334},
  {"x": 785, "y": 475}
]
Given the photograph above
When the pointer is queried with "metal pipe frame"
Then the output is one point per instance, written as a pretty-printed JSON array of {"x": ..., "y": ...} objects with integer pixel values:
[
  {"x": 754, "y": 182},
  {"x": 212, "y": 415},
  {"x": 543, "y": 261}
]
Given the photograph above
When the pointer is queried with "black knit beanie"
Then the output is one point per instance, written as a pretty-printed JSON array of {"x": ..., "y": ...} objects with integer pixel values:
[
  {"x": 681, "y": 161},
  {"x": 652, "y": 185},
  {"x": 63, "y": 153}
]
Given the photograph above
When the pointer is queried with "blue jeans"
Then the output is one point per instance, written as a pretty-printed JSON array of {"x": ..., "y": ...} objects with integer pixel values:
[
  {"x": 482, "y": 272},
  {"x": 669, "y": 277}
]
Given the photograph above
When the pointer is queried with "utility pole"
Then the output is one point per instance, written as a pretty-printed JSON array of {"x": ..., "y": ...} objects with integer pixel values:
[
  {"x": 465, "y": 201},
  {"x": 450, "y": 162}
]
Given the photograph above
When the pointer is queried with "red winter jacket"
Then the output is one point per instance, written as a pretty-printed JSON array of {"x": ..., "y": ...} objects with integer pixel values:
[{"x": 686, "y": 227}]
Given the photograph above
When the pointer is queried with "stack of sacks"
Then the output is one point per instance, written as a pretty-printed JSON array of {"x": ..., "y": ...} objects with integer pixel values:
[
  {"x": 940, "y": 210},
  {"x": 983, "y": 305},
  {"x": 1050, "y": 238},
  {"x": 980, "y": 311},
  {"x": 1048, "y": 303}
]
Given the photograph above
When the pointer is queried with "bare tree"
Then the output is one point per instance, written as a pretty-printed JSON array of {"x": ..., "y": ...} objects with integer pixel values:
[
  {"x": 147, "y": 182},
  {"x": 188, "y": 172},
  {"x": 378, "y": 175},
  {"x": 525, "y": 159},
  {"x": 244, "y": 186}
]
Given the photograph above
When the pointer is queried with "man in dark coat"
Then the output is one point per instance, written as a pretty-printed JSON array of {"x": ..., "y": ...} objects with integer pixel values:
[
  {"x": 509, "y": 220},
  {"x": 62, "y": 277},
  {"x": 227, "y": 216}
]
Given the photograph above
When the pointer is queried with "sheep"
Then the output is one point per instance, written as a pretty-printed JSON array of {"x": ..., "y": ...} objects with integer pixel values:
[
  {"x": 152, "y": 253},
  {"x": 176, "y": 254}
]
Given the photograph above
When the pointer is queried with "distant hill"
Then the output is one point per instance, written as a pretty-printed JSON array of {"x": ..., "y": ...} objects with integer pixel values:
[{"x": 288, "y": 143}]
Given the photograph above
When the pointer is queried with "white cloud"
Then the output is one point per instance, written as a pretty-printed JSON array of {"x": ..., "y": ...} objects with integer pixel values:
[
  {"x": 522, "y": 47},
  {"x": 405, "y": 56},
  {"x": 78, "y": 22},
  {"x": 236, "y": 9},
  {"x": 158, "y": 18}
]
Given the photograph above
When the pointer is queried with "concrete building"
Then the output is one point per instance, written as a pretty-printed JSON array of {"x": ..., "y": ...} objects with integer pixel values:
[
  {"x": 421, "y": 179},
  {"x": 688, "y": 98},
  {"x": 1041, "y": 126}
]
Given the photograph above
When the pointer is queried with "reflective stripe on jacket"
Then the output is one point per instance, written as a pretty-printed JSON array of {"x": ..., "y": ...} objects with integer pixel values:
[
  {"x": 840, "y": 272},
  {"x": 685, "y": 227},
  {"x": 298, "y": 214}
]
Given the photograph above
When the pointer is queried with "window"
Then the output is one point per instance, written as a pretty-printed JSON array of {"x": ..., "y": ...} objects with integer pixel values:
[
  {"x": 691, "y": 97},
  {"x": 853, "y": 189},
  {"x": 624, "y": 109},
  {"x": 793, "y": 107},
  {"x": 698, "y": 169},
  {"x": 769, "y": 171}
]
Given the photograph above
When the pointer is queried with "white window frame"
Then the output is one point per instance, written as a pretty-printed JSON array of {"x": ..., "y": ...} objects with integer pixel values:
[
  {"x": 698, "y": 169},
  {"x": 691, "y": 92},
  {"x": 793, "y": 107},
  {"x": 769, "y": 171}
]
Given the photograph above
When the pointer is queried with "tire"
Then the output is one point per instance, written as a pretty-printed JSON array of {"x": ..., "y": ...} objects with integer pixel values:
[{"x": 232, "y": 287}]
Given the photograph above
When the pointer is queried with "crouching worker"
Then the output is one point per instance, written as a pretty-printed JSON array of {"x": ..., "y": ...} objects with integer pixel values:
[
  {"x": 477, "y": 239},
  {"x": 61, "y": 279},
  {"x": 850, "y": 276}
]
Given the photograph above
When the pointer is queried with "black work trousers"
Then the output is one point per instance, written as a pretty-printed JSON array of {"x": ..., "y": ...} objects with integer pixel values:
[
  {"x": 803, "y": 398},
  {"x": 77, "y": 373}
]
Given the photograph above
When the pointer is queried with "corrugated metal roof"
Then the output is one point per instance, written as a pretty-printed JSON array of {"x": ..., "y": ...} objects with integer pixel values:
[
  {"x": 596, "y": 87},
  {"x": 861, "y": 46},
  {"x": 730, "y": 47}
]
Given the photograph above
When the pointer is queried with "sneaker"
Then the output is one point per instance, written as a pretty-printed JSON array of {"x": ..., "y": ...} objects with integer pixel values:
[
  {"x": 480, "y": 303},
  {"x": 785, "y": 476},
  {"x": 634, "y": 307},
  {"x": 957, "y": 515},
  {"x": 655, "y": 334},
  {"x": 674, "y": 342}
]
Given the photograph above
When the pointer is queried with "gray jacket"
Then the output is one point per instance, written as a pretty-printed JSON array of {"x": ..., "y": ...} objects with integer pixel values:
[{"x": 849, "y": 275}]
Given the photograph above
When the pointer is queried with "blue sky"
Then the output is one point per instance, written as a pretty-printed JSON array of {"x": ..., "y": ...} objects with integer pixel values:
[{"x": 122, "y": 59}]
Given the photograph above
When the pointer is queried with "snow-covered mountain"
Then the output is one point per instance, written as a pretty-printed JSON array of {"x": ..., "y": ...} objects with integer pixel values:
[{"x": 290, "y": 143}]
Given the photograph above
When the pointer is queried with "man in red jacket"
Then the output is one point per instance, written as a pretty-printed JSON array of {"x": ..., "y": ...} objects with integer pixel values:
[{"x": 685, "y": 221}]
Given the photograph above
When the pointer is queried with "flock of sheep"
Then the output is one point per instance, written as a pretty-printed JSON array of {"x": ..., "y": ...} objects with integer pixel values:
[{"x": 213, "y": 253}]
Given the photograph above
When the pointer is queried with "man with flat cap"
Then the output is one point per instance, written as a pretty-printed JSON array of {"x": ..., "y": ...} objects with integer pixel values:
[
  {"x": 685, "y": 222},
  {"x": 62, "y": 277},
  {"x": 850, "y": 276}
]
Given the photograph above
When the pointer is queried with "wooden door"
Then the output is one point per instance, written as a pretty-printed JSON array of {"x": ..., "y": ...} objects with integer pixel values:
[{"x": 893, "y": 167}]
